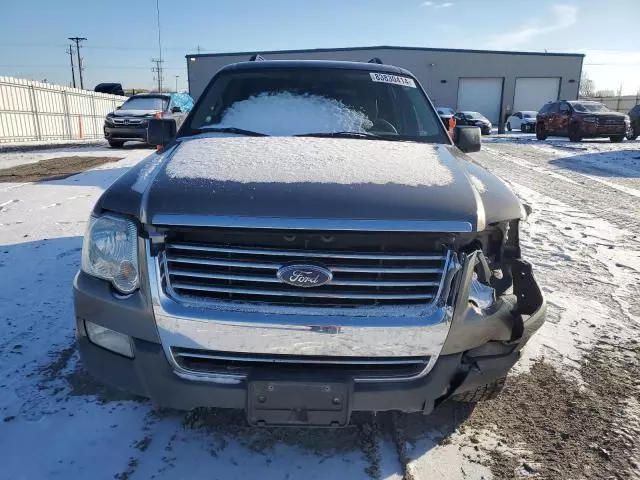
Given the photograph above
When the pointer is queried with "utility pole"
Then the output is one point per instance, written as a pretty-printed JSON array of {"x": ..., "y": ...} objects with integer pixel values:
[
  {"x": 198, "y": 49},
  {"x": 177, "y": 76},
  {"x": 73, "y": 73},
  {"x": 158, "y": 71},
  {"x": 80, "y": 67},
  {"x": 159, "y": 60}
]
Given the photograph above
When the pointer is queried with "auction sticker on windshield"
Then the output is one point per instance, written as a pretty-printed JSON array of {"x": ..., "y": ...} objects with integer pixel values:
[{"x": 395, "y": 79}]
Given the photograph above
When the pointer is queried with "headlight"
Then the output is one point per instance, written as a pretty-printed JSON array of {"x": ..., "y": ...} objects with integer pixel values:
[
  {"x": 110, "y": 251},
  {"x": 590, "y": 119},
  {"x": 108, "y": 120}
]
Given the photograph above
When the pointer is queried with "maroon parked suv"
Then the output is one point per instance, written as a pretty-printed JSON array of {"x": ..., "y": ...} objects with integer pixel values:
[{"x": 579, "y": 119}]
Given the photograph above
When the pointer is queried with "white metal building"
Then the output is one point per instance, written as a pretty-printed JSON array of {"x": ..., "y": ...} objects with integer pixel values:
[{"x": 477, "y": 80}]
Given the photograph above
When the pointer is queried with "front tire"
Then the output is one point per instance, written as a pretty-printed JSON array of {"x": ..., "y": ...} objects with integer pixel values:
[
  {"x": 633, "y": 133},
  {"x": 574, "y": 133},
  {"x": 616, "y": 138},
  {"x": 541, "y": 133},
  {"x": 116, "y": 143},
  {"x": 483, "y": 392}
]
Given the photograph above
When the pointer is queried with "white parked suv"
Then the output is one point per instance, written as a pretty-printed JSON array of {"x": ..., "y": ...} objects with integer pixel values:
[{"x": 523, "y": 120}]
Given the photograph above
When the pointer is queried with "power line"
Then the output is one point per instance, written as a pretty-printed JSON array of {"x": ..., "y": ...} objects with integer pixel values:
[
  {"x": 93, "y": 67},
  {"x": 80, "y": 67}
]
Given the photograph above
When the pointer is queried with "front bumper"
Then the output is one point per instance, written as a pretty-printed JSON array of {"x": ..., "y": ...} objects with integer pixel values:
[
  {"x": 125, "y": 133},
  {"x": 596, "y": 130},
  {"x": 477, "y": 349}
]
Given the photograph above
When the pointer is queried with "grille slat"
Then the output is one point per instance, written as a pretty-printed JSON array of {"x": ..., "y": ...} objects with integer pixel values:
[
  {"x": 299, "y": 293},
  {"x": 304, "y": 254},
  {"x": 259, "y": 278},
  {"x": 241, "y": 272},
  {"x": 276, "y": 266}
]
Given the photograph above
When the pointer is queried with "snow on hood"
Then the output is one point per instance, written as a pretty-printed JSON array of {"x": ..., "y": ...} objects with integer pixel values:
[
  {"x": 288, "y": 114},
  {"x": 315, "y": 160}
]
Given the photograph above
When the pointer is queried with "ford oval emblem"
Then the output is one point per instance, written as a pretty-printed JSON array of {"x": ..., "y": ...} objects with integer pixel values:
[{"x": 304, "y": 275}]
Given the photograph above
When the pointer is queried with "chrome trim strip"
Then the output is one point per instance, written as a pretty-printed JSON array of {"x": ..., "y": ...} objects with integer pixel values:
[
  {"x": 304, "y": 254},
  {"x": 263, "y": 279},
  {"x": 428, "y": 365},
  {"x": 249, "y": 360},
  {"x": 276, "y": 266},
  {"x": 301, "y": 293},
  {"x": 347, "y": 224}
]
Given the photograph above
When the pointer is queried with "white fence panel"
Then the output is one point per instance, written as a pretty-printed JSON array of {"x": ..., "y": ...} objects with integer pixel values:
[{"x": 35, "y": 111}]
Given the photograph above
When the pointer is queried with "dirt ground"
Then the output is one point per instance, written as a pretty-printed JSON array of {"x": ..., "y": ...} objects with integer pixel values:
[{"x": 52, "y": 168}]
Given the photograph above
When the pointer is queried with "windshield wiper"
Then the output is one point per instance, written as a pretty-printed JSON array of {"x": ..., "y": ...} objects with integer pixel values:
[
  {"x": 348, "y": 135},
  {"x": 239, "y": 131}
]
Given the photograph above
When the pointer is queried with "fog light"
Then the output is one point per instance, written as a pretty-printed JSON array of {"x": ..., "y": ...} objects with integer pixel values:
[{"x": 110, "y": 339}]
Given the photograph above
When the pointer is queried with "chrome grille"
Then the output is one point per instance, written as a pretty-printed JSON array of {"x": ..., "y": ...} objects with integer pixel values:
[
  {"x": 128, "y": 121},
  {"x": 248, "y": 274}
]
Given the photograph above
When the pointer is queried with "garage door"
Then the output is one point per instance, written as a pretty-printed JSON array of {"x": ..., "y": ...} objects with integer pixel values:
[
  {"x": 532, "y": 93},
  {"x": 480, "y": 95}
]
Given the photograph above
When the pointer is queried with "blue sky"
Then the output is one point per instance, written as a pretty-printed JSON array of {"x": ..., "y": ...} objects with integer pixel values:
[{"x": 122, "y": 35}]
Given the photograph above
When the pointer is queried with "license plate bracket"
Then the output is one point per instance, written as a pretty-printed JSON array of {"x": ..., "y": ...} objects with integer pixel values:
[{"x": 298, "y": 403}]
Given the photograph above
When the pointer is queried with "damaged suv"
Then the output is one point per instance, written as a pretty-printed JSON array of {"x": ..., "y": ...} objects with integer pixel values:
[{"x": 309, "y": 243}]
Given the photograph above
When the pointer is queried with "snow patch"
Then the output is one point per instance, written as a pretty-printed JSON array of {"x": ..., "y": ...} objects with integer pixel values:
[
  {"x": 315, "y": 160},
  {"x": 145, "y": 175},
  {"x": 285, "y": 113},
  {"x": 476, "y": 182}
]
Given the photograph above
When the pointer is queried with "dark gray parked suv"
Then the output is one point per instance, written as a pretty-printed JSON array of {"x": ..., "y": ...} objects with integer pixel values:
[
  {"x": 130, "y": 121},
  {"x": 308, "y": 244}
]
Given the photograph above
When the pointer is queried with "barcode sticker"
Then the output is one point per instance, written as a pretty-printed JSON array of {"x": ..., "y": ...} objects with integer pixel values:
[{"x": 394, "y": 79}]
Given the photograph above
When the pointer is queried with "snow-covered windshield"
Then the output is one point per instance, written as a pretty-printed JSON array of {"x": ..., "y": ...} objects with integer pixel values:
[
  {"x": 146, "y": 103},
  {"x": 303, "y": 101},
  {"x": 587, "y": 107}
]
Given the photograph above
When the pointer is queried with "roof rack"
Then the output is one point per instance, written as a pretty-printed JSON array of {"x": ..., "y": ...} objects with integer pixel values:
[
  {"x": 376, "y": 60},
  {"x": 256, "y": 58}
]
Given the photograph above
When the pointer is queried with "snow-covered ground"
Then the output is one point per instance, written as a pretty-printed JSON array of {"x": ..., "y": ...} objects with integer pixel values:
[{"x": 583, "y": 239}]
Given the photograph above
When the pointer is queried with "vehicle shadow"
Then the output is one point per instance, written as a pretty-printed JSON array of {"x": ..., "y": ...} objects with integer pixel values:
[
  {"x": 614, "y": 163},
  {"x": 100, "y": 177}
]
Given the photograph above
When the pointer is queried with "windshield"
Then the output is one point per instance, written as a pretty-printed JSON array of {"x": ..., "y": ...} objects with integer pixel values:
[
  {"x": 529, "y": 114},
  {"x": 145, "y": 103},
  {"x": 474, "y": 115},
  {"x": 318, "y": 101},
  {"x": 587, "y": 107}
]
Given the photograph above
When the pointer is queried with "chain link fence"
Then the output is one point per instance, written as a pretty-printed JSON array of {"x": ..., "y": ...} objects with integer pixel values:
[{"x": 34, "y": 111}]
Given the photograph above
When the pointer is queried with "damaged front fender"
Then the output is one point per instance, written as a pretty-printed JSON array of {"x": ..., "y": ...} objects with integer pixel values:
[{"x": 504, "y": 325}]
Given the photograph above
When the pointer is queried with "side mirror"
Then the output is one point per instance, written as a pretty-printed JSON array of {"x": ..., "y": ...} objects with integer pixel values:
[
  {"x": 161, "y": 131},
  {"x": 176, "y": 109},
  {"x": 118, "y": 107},
  {"x": 467, "y": 138}
]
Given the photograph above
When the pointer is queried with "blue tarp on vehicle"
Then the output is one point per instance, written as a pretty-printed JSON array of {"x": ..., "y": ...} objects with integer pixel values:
[{"x": 182, "y": 100}]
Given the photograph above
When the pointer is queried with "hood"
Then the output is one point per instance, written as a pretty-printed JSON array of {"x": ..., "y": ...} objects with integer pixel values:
[
  {"x": 210, "y": 180},
  {"x": 132, "y": 113}
]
